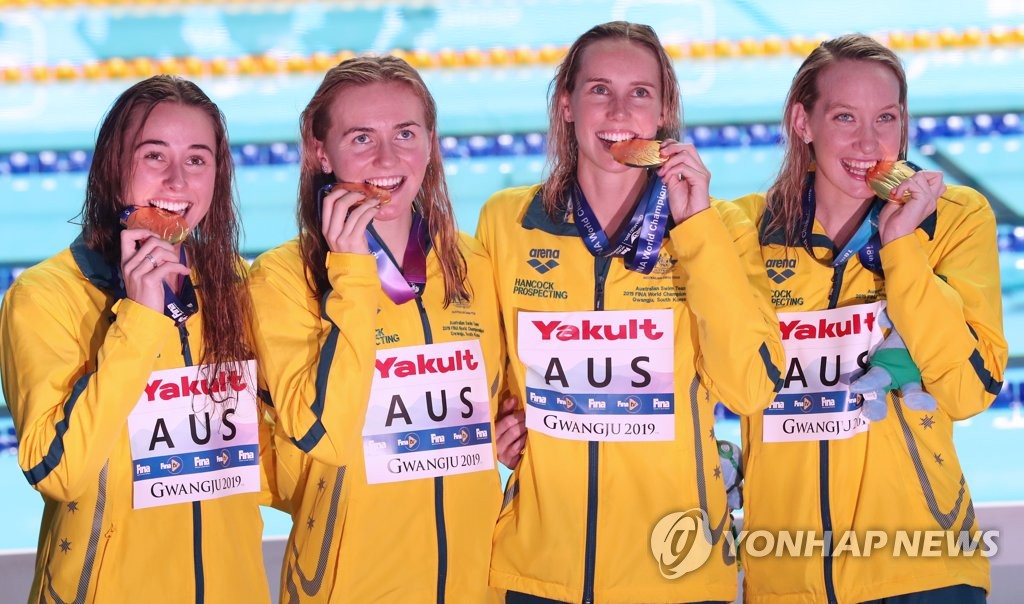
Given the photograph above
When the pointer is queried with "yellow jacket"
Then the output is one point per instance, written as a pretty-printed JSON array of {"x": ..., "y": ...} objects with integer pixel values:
[
  {"x": 75, "y": 360},
  {"x": 412, "y": 541},
  {"x": 942, "y": 288},
  {"x": 578, "y": 515}
]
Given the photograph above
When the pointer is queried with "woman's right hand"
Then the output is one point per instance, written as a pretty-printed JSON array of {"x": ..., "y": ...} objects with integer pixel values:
[
  {"x": 146, "y": 262},
  {"x": 510, "y": 432},
  {"x": 344, "y": 218}
]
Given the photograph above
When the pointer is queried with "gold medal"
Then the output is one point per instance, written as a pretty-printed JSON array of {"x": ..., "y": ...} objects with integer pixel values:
[
  {"x": 166, "y": 225},
  {"x": 638, "y": 152},
  {"x": 885, "y": 176}
]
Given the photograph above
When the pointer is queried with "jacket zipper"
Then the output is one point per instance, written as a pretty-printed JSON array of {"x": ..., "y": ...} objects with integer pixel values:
[
  {"x": 601, "y": 265},
  {"x": 197, "y": 508},
  {"x": 439, "y": 523},
  {"x": 823, "y": 468}
]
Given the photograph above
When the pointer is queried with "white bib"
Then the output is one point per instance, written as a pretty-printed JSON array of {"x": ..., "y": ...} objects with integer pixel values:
[
  {"x": 195, "y": 438},
  {"x": 429, "y": 413},
  {"x": 825, "y": 351},
  {"x": 599, "y": 375}
]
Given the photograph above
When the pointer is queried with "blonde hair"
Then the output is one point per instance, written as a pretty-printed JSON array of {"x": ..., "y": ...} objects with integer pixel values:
[
  {"x": 563, "y": 150},
  {"x": 784, "y": 195}
]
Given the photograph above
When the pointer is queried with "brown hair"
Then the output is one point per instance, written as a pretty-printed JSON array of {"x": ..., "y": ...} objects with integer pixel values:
[
  {"x": 432, "y": 199},
  {"x": 212, "y": 245},
  {"x": 784, "y": 195},
  {"x": 562, "y": 146}
]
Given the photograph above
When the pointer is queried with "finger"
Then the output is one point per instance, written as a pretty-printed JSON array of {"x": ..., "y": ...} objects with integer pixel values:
[
  {"x": 132, "y": 239},
  {"x": 360, "y": 217},
  {"x": 510, "y": 425},
  {"x": 508, "y": 405},
  {"x": 337, "y": 209}
]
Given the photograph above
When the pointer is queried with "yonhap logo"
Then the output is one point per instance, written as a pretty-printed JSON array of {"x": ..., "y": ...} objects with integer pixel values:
[{"x": 681, "y": 542}]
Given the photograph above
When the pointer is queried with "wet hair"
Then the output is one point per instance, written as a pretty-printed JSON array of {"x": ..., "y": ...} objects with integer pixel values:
[
  {"x": 784, "y": 195},
  {"x": 212, "y": 245},
  {"x": 432, "y": 200},
  {"x": 563, "y": 150}
]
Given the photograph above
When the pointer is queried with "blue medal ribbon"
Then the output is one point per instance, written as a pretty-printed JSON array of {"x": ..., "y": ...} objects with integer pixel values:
[
  {"x": 179, "y": 307},
  {"x": 865, "y": 242},
  {"x": 640, "y": 239}
]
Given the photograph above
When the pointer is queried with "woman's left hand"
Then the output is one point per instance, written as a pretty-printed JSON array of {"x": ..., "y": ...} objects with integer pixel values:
[
  {"x": 898, "y": 220},
  {"x": 687, "y": 178}
]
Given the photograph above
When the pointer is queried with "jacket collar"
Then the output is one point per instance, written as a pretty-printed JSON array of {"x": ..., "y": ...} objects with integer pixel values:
[
  {"x": 96, "y": 269},
  {"x": 537, "y": 218},
  {"x": 777, "y": 236}
]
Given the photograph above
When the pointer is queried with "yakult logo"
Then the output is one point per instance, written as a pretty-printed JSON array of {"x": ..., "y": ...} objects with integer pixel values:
[
  {"x": 824, "y": 329},
  {"x": 170, "y": 390},
  {"x": 589, "y": 330},
  {"x": 461, "y": 360}
]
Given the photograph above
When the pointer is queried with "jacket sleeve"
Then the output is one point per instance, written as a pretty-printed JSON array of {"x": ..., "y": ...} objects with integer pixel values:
[
  {"x": 948, "y": 307},
  {"x": 70, "y": 410},
  {"x": 740, "y": 353},
  {"x": 318, "y": 364},
  {"x": 485, "y": 235}
]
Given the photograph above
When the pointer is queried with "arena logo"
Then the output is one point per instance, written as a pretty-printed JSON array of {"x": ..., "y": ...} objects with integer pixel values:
[
  {"x": 543, "y": 260},
  {"x": 786, "y": 265}
]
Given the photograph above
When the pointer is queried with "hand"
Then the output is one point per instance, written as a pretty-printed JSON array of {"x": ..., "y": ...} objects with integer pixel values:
[
  {"x": 146, "y": 262},
  {"x": 510, "y": 432},
  {"x": 687, "y": 178},
  {"x": 898, "y": 220},
  {"x": 344, "y": 218}
]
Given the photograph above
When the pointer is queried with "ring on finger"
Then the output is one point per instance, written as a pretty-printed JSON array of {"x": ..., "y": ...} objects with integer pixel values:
[{"x": 151, "y": 259}]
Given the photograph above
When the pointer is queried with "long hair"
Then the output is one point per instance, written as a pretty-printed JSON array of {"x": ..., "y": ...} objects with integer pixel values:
[
  {"x": 432, "y": 199},
  {"x": 784, "y": 195},
  {"x": 212, "y": 245},
  {"x": 563, "y": 149}
]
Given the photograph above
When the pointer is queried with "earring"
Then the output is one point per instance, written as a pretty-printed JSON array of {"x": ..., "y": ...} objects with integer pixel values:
[
  {"x": 326, "y": 169},
  {"x": 807, "y": 140}
]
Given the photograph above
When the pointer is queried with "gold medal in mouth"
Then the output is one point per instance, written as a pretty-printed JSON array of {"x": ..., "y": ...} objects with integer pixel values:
[
  {"x": 638, "y": 152},
  {"x": 167, "y": 225},
  {"x": 885, "y": 176},
  {"x": 382, "y": 196}
]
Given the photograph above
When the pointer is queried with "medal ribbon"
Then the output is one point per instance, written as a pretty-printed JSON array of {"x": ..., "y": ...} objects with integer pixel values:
[
  {"x": 402, "y": 285},
  {"x": 865, "y": 242},
  {"x": 179, "y": 307},
  {"x": 641, "y": 237}
]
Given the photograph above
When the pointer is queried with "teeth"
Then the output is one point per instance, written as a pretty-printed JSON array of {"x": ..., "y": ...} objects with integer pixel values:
[
  {"x": 384, "y": 183},
  {"x": 614, "y": 137},
  {"x": 171, "y": 206},
  {"x": 859, "y": 165}
]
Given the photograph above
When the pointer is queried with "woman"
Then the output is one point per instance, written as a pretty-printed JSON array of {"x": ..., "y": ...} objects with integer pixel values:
[
  {"x": 932, "y": 264},
  {"x": 126, "y": 365},
  {"x": 620, "y": 360},
  {"x": 378, "y": 338}
]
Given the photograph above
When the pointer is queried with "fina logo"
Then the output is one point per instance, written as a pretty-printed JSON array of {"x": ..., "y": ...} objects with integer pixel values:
[
  {"x": 175, "y": 465},
  {"x": 223, "y": 458},
  {"x": 805, "y": 404},
  {"x": 411, "y": 442},
  {"x": 539, "y": 253},
  {"x": 787, "y": 265},
  {"x": 633, "y": 404},
  {"x": 681, "y": 542}
]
